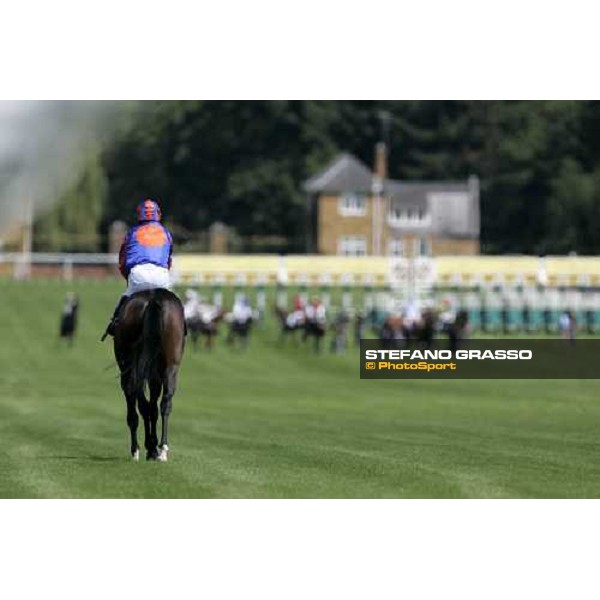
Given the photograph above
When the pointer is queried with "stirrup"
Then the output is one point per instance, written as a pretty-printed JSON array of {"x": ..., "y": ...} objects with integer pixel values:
[{"x": 110, "y": 330}]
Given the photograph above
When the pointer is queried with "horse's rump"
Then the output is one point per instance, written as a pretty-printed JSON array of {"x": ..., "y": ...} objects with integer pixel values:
[{"x": 150, "y": 336}]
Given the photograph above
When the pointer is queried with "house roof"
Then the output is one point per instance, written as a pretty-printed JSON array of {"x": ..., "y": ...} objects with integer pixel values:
[
  {"x": 415, "y": 190},
  {"x": 454, "y": 205},
  {"x": 348, "y": 174},
  {"x": 344, "y": 174}
]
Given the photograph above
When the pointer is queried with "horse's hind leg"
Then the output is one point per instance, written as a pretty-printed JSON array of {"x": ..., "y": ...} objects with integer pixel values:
[
  {"x": 144, "y": 408},
  {"x": 155, "y": 387},
  {"x": 165, "y": 410},
  {"x": 132, "y": 419}
]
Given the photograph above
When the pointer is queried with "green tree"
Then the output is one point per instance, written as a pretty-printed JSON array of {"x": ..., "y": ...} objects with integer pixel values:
[{"x": 73, "y": 224}]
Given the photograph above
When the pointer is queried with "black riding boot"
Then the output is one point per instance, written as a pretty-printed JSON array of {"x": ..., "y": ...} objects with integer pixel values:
[{"x": 110, "y": 330}]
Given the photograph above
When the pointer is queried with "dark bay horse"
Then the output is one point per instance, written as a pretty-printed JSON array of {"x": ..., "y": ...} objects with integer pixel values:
[{"x": 149, "y": 343}]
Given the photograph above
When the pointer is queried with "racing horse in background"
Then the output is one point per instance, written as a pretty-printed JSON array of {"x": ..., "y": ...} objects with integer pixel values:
[
  {"x": 149, "y": 342},
  {"x": 68, "y": 319},
  {"x": 289, "y": 323},
  {"x": 315, "y": 327},
  {"x": 240, "y": 326},
  {"x": 203, "y": 320},
  {"x": 405, "y": 332}
]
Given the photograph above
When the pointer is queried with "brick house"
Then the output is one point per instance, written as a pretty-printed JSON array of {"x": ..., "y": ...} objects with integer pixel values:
[{"x": 354, "y": 211}]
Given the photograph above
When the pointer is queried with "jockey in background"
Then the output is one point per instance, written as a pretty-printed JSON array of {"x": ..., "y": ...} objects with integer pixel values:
[
  {"x": 145, "y": 256},
  {"x": 411, "y": 313},
  {"x": 208, "y": 312},
  {"x": 242, "y": 312},
  {"x": 447, "y": 314},
  {"x": 315, "y": 311},
  {"x": 296, "y": 317},
  {"x": 191, "y": 306},
  {"x": 68, "y": 321}
]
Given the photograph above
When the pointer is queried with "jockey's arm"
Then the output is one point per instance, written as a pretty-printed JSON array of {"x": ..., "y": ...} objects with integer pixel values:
[
  {"x": 122, "y": 260},
  {"x": 170, "y": 252}
]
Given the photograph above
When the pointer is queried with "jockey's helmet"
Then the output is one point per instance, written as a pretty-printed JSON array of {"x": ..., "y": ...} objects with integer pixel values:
[{"x": 148, "y": 210}]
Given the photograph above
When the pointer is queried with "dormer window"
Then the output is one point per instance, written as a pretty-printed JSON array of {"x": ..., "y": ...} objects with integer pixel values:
[
  {"x": 408, "y": 216},
  {"x": 352, "y": 205}
]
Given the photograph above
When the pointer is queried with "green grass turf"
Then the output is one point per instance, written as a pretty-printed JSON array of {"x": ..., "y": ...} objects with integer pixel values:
[{"x": 274, "y": 422}]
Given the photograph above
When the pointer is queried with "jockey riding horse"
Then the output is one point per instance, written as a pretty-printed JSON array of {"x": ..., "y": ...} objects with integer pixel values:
[{"x": 148, "y": 327}]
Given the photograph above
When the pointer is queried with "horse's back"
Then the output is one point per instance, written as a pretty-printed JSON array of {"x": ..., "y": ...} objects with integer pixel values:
[
  {"x": 131, "y": 323},
  {"x": 160, "y": 295}
]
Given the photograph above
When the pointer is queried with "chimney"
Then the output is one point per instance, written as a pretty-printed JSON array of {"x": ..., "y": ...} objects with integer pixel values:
[
  {"x": 377, "y": 189},
  {"x": 381, "y": 161}
]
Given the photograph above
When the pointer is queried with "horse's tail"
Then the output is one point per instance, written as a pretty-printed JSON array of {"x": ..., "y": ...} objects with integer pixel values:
[{"x": 146, "y": 362}]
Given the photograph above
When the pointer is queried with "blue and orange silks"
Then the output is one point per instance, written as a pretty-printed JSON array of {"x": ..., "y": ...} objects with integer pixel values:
[{"x": 147, "y": 242}]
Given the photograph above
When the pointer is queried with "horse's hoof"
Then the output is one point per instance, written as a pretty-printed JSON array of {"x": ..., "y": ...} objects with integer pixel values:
[
  {"x": 151, "y": 455},
  {"x": 163, "y": 453},
  {"x": 135, "y": 457}
]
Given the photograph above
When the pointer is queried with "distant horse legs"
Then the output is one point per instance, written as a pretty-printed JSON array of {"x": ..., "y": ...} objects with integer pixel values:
[{"x": 245, "y": 339}]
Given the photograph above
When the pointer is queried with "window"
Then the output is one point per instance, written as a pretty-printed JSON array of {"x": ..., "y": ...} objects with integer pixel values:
[
  {"x": 422, "y": 247},
  {"x": 408, "y": 216},
  {"x": 352, "y": 245},
  {"x": 396, "y": 247},
  {"x": 352, "y": 205},
  {"x": 396, "y": 212}
]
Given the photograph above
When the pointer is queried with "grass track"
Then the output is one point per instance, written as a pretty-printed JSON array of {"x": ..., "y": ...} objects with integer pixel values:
[{"x": 275, "y": 422}]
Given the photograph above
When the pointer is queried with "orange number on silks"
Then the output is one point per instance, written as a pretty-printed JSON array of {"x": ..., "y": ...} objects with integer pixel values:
[{"x": 151, "y": 235}]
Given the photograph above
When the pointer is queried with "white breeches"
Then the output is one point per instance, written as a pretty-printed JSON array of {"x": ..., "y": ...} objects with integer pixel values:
[{"x": 147, "y": 277}]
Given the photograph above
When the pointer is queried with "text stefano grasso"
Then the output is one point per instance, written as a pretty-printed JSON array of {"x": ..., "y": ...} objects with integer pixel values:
[{"x": 498, "y": 354}]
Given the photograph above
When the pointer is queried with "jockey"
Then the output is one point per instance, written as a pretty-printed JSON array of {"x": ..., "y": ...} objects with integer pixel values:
[
  {"x": 411, "y": 313},
  {"x": 145, "y": 256},
  {"x": 315, "y": 311},
  {"x": 296, "y": 317},
  {"x": 242, "y": 312},
  {"x": 298, "y": 303},
  {"x": 71, "y": 304},
  {"x": 191, "y": 306}
]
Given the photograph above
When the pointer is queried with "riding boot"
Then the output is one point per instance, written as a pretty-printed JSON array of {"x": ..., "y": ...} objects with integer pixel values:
[{"x": 110, "y": 329}]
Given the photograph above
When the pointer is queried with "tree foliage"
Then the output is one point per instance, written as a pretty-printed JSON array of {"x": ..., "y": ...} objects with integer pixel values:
[
  {"x": 243, "y": 163},
  {"x": 73, "y": 224}
]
